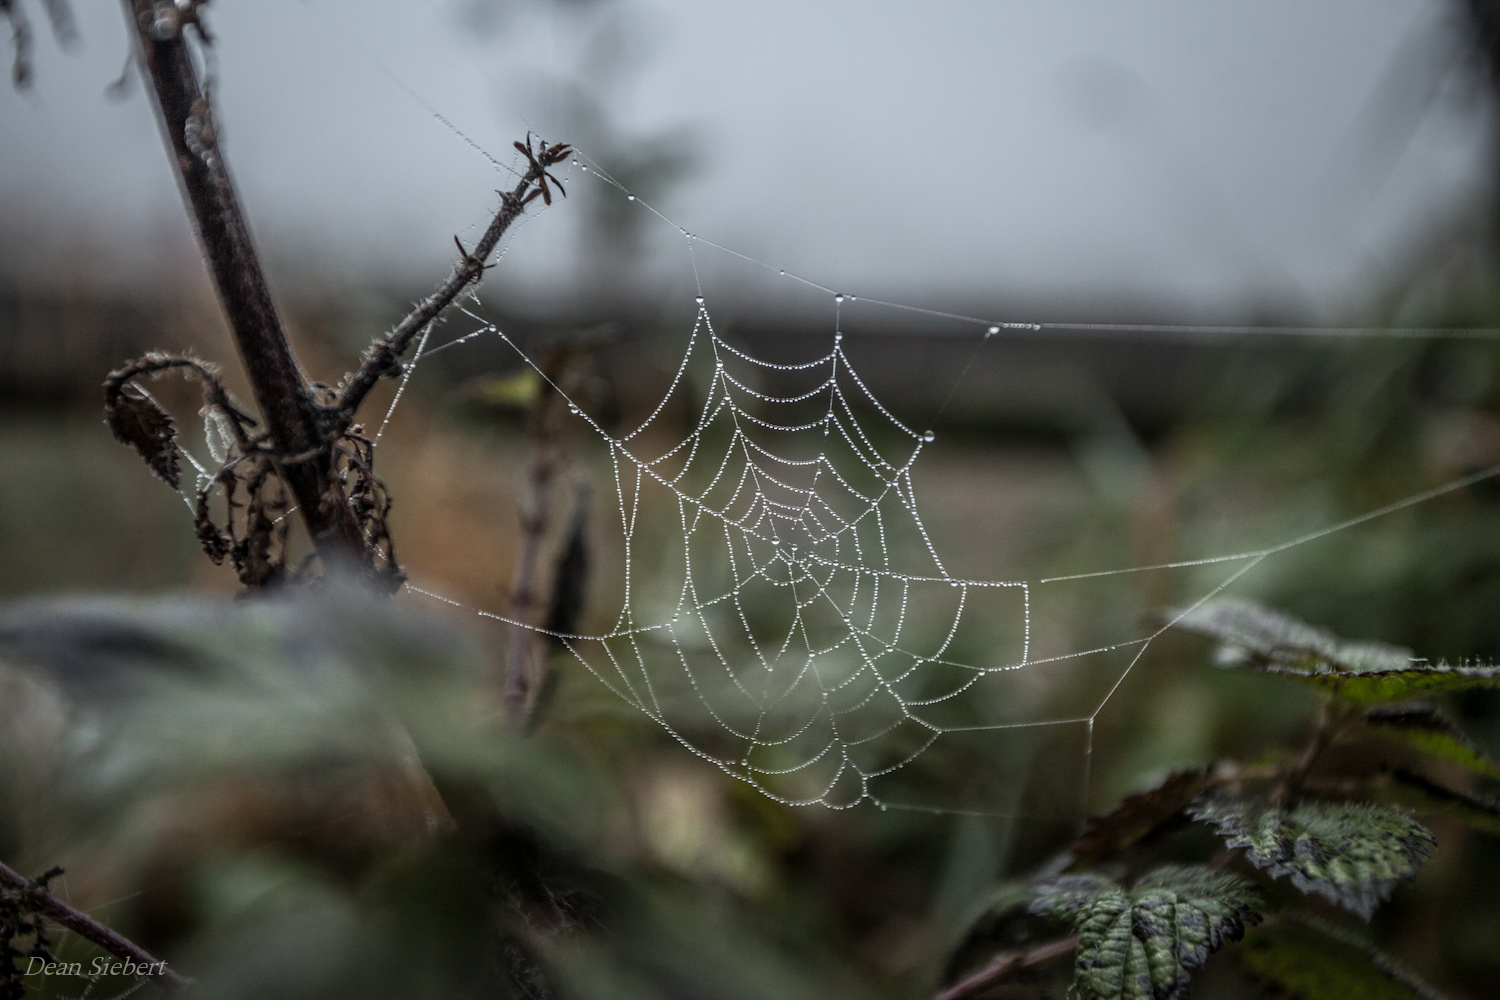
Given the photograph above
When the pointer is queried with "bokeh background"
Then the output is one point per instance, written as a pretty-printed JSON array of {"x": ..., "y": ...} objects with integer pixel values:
[{"x": 1172, "y": 168}]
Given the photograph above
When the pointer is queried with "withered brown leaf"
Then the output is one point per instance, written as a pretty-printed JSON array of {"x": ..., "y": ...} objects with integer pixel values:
[
  {"x": 1137, "y": 817},
  {"x": 139, "y": 422}
]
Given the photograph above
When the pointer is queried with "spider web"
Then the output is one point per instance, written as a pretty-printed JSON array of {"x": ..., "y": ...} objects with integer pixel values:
[{"x": 783, "y": 611}]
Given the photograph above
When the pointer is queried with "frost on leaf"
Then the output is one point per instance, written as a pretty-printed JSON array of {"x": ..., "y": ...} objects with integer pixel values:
[
  {"x": 146, "y": 427},
  {"x": 1351, "y": 854},
  {"x": 1140, "y": 943},
  {"x": 1250, "y": 633},
  {"x": 1370, "y": 672}
]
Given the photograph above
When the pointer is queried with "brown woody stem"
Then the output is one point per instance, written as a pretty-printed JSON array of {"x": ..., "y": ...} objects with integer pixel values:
[
  {"x": 1329, "y": 722},
  {"x": 292, "y": 417},
  {"x": 384, "y": 355},
  {"x": 1008, "y": 965},
  {"x": 523, "y": 672},
  {"x": 88, "y": 928}
]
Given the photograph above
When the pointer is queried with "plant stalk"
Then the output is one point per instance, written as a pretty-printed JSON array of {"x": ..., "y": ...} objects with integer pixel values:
[
  {"x": 1008, "y": 965},
  {"x": 281, "y": 390},
  {"x": 88, "y": 928}
]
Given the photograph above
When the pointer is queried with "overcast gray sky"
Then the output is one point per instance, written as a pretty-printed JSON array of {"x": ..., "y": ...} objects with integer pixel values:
[{"x": 1208, "y": 155}]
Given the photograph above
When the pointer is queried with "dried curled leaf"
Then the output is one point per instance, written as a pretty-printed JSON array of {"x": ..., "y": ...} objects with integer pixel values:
[
  {"x": 137, "y": 421},
  {"x": 1428, "y": 730},
  {"x": 1140, "y": 943},
  {"x": 1367, "y": 672},
  {"x": 1137, "y": 817},
  {"x": 1309, "y": 960},
  {"x": 1352, "y": 854}
]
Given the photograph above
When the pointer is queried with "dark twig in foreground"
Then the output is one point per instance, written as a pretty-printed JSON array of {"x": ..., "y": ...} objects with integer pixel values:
[
  {"x": 384, "y": 356},
  {"x": 1008, "y": 965},
  {"x": 293, "y": 418},
  {"x": 88, "y": 928},
  {"x": 310, "y": 441}
]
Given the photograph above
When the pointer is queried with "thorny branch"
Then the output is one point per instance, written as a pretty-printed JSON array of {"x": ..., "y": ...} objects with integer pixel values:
[
  {"x": 85, "y": 926},
  {"x": 383, "y": 358},
  {"x": 311, "y": 443}
]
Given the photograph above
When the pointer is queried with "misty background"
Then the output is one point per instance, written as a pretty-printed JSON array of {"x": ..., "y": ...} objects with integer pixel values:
[{"x": 1153, "y": 159}]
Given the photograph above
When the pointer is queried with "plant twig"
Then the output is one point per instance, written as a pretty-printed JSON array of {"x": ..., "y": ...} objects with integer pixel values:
[
  {"x": 89, "y": 929},
  {"x": 1330, "y": 721},
  {"x": 293, "y": 419},
  {"x": 524, "y": 675},
  {"x": 384, "y": 356},
  {"x": 1008, "y": 965}
]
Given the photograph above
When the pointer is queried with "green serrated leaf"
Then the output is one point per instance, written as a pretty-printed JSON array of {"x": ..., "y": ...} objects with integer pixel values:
[
  {"x": 1305, "y": 960},
  {"x": 1352, "y": 854},
  {"x": 1428, "y": 730},
  {"x": 1399, "y": 685},
  {"x": 1432, "y": 799},
  {"x": 1141, "y": 943},
  {"x": 1136, "y": 817},
  {"x": 1366, "y": 672}
]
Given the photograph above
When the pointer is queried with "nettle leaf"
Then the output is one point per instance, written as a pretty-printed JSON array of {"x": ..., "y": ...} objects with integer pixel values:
[
  {"x": 1400, "y": 685},
  {"x": 1425, "y": 728},
  {"x": 1352, "y": 854},
  {"x": 1252, "y": 633},
  {"x": 1368, "y": 672},
  {"x": 1308, "y": 960},
  {"x": 1137, "y": 817},
  {"x": 1140, "y": 943},
  {"x": 139, "y": 422}
]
